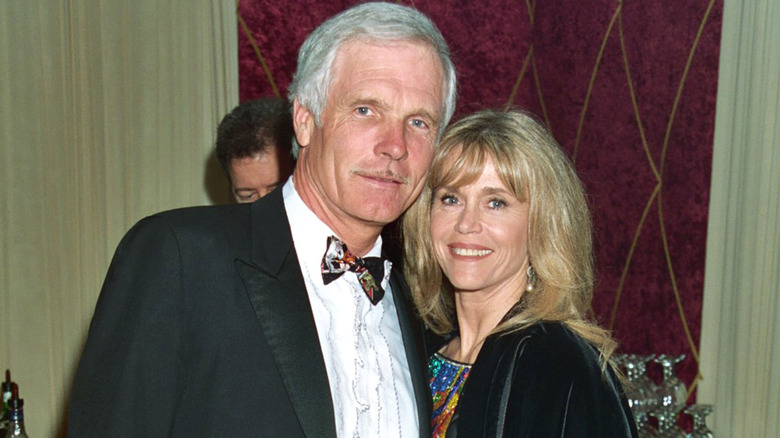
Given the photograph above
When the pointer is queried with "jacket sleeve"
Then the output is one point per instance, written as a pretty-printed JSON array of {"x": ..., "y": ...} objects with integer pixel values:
[
  {"x": 558, "y": 390},
  {"x": 541, "y": 382},
  {"x": 130, "y": 375}
]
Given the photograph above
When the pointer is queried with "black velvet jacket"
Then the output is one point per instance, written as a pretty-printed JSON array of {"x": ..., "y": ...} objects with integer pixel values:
[{"x": 543, "y": 381}]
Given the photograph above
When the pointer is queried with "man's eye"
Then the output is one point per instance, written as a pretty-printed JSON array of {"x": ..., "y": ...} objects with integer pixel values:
[
  {"x": 363, "y": 111},
  {"x": 251, "y": 197},
  {"x": 417, "y": 123}
]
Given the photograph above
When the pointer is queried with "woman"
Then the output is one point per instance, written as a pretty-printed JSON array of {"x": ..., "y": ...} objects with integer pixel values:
[{"x": 504, "y": 219}]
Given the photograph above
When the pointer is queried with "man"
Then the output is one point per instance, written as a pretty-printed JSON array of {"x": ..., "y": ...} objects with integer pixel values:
[
  {"x": 253, "y": 147},
  {"x": 221, "y": 321}
]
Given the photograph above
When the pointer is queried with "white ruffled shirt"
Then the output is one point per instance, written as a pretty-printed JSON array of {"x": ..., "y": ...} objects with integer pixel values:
[{"x": 364, "y": 354}]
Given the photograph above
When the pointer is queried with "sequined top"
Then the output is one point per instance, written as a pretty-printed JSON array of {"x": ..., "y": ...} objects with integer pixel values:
[{"x": 446, "y": 379}]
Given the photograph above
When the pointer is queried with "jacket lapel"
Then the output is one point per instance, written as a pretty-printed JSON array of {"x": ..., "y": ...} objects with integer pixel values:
[
  {"x": 411, "y": 330},
  {"x": 276, "y": 289}
]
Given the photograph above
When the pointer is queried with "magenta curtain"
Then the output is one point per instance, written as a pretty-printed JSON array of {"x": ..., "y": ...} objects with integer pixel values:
[{"x": 627, "y": 88}]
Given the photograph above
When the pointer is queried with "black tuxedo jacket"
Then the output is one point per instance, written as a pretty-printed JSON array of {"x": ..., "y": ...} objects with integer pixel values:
[{"x": 203, "y": 328}]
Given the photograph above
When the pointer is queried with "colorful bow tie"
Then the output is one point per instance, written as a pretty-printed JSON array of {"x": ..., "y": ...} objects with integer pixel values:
[{"x": 338, "y": 260}]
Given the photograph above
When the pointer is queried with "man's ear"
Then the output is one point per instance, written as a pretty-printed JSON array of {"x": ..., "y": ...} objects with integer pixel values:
[{"x": 303, "y": 122}]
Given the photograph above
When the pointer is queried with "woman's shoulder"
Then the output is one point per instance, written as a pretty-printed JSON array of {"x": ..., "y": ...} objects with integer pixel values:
[
  {"x": 548, "y": 346},
  {"x": 545, "y": 337}
]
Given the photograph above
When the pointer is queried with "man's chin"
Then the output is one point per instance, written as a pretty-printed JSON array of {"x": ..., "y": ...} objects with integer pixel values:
[{"x": 383, "y": 217}]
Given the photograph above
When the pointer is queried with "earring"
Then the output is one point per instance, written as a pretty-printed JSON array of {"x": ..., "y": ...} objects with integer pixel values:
[{"x": 531, "y": 279}]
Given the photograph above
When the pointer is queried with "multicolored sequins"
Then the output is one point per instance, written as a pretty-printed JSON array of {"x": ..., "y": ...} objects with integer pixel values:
[{"x": 446, "y": 379}]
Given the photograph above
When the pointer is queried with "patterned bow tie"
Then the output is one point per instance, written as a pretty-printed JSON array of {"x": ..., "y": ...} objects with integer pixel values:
[{"x": 338, "y": 260}]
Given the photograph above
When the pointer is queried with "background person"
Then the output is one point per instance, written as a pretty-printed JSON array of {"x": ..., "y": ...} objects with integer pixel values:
[
  {"x": 498, "y": 251},
  {"x": 220, "y": 321},
  {"x": 253, "y": 147}
]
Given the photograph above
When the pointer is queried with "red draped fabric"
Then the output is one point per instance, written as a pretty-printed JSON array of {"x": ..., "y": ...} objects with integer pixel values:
[{"x": 628, "y": 88}]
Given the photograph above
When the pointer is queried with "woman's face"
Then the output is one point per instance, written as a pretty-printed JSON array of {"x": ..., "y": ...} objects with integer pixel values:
[{"x": 480, "y": 236}]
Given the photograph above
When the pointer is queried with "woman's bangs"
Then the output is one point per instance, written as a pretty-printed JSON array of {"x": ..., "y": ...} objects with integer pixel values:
[
  {"x": 459, "y": 166},
  {"x": 512, "y": 170}
]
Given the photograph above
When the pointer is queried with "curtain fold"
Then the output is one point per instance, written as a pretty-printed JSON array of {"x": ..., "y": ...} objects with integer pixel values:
[
  {"x": 108, "y": 113},
  {"x": 740, "y": 331}
]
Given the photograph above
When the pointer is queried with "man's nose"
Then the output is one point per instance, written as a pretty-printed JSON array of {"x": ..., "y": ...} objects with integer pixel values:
[{"x": 393, "y": 142}]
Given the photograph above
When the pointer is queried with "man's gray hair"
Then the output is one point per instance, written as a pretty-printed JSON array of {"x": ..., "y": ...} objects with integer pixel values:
[{"x": 369, "y": 21}]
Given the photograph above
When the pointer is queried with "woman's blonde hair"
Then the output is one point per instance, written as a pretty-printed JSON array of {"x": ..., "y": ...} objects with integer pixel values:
[{"x": 531, "y": 164}]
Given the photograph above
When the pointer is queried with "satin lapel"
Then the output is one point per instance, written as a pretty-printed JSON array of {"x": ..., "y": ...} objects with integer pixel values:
[
  {"x": 411, "y": 330},
  {"x": 278, "y": 295}
]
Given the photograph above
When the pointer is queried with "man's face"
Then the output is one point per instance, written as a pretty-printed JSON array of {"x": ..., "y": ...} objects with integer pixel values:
[
  {"x": 255, "y": 176},
  {"x": 368, "y": 161}
]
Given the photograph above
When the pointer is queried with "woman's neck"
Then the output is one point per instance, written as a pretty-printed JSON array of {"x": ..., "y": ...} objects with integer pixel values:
[{"x": 478, "y": 315}]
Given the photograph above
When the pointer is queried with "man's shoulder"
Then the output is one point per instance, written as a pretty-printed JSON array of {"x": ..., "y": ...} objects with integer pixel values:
[
  {"x": 195, "y": 224},
  {"x": 202, "y": 214},
  {"x": 201, "y": 217}
]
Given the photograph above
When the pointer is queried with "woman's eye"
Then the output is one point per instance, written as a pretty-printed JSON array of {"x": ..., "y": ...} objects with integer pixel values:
[
  {"x": 449, "y": 200},
  {"x": 496, "y": 203}
]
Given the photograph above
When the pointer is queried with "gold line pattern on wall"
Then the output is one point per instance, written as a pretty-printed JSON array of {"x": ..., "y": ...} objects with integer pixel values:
[{"x": 256, "y": 48}]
